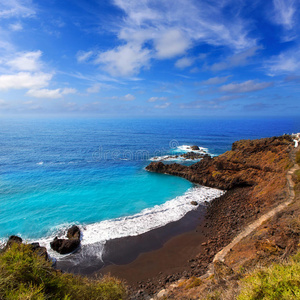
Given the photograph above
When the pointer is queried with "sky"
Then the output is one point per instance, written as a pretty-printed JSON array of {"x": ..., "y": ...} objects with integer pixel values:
[{"x": 150, "y": 57}]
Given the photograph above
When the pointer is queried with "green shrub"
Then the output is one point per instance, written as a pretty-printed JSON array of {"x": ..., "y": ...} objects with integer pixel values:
[
  {"x": 24, "y": 275},
  {"x": 280, "y": 281}
]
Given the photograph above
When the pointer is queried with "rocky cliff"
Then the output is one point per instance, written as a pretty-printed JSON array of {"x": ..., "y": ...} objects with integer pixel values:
[
  {"x": 254, "y": 174},
  {"x": 248, "y": 163}
]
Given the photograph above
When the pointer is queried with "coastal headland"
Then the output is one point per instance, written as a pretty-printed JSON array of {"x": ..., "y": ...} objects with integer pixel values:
[
  {"x": 185, "y": 258},
  {"x": 253, "y": 173}
]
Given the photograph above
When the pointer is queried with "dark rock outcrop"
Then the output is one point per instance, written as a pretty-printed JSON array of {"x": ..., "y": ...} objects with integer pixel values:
[
  {"x": 73, "y": 232},
  {"x": 247, "y": 164},
  {"x": 40, "y": 251},
  {"x": 192, "y": 155},
  {"x": 65, "y": 246},
  {"x": 12, "y": 239},
  {"x": 194, "y": 203},
  {"x": 195, "y": 148}
]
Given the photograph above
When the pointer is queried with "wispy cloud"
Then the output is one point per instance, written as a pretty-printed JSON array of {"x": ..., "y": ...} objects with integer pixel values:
[
  {"x": 184, "y": 62},
  {"x": 154, "y": 99},
  {"x": 128, "y": 97},
  {"x": 162, "y": 106},
  {"x": 16, "y": 8},
  {"x": 51, "y": 94},
  {"x": 284, "y": 12},
  {"x": 245, "y": 87},
  {"x": 95, "y": 88},
  {"x": 215, "y": 80},
  {"x": 239, "y": 59},
  {"x": 16, "y": 27},
  {"x": 83, "y": 56},
  {"x": 162, "y": 30},
  {"x": 284, "y": 63}
]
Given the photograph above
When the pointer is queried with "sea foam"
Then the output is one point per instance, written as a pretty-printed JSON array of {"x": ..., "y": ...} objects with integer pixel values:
[{"x": 96, "y": 235}]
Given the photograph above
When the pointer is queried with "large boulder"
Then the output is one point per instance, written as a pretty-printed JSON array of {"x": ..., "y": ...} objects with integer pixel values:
[
  {"x": 73, "y": 233},
  {"x": 64, "y": 246},
  {"x": 195, "y": 148}
]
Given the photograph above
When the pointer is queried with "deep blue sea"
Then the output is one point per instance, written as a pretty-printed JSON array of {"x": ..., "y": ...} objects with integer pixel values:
[{"x": 56, "y": 172}]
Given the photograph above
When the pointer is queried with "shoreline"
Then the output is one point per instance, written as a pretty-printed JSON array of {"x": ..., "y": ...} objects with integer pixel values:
[{"x": 121, "y": 252}]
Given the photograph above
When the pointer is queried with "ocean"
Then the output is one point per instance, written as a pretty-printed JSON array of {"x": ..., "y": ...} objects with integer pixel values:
[{"x": 91, "y": 172}]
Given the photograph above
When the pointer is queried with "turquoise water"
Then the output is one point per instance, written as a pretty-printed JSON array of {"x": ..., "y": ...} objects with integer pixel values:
[{"x": 56, "y": 172}]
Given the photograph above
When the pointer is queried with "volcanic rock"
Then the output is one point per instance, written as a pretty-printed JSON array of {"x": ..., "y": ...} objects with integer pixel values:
[
  {"x": 73, "y": 232},
  {"x": 40, "y": 251},
  {"x": 64, "y": 246},
  {"x": 12, "y": 239},
  {"x": 195, "y": 148}
]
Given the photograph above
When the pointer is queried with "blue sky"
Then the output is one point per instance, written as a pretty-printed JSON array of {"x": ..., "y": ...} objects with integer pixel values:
[{"x": 150, "y": 58}]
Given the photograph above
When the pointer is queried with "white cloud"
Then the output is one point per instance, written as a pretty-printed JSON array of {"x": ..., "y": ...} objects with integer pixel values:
[
  {"x": 184, "y": 62},
  {"x": 284, "y": 11},
  {"x": 24, "y": 71},
  {"x": 44, "y": 93},
  {"x": 245, "y": 87},
  {"x": 163, "y": 106},
  {"x": 16, "y": 27},
  {"x": 165, "y": 29},
  {"x": 24, "y": 80},
  {"x": 154, "y": 99},
  {"x": 171, "y": 43},
  {"x": 16, "y": 8},
  {"x": 215, "y": 80},
  {"x": 128, "y": 97},
  {"x": 67, "y": 91},
  {"x": 51, "y": 94},
  {"x": 284, "y": 63},
  {"x": 125, "y": 60},
  {"x": 95, "y": 88},
  {"x": 83, "y": 56},
  {"x": 26, "y": 61}
]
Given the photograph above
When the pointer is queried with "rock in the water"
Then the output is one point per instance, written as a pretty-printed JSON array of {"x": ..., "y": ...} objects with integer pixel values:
[
  {"x": 192, "y": 155},
  {"x": 74, "y": 233},
  {"x": 195, "y": 148},
  {"x": 194, "y": 203},
  {"x": 64, "y": 246}
]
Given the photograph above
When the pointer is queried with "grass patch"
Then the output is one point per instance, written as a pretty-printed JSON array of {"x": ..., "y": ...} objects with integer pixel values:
[
  {"x": 24, "y": 275},
  {"x": 193, "y": 283},
  {"x": 280, "y": 281}
]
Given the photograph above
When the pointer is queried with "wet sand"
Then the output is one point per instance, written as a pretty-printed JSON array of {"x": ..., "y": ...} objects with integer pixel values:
[{"x": 158, "y": 253}]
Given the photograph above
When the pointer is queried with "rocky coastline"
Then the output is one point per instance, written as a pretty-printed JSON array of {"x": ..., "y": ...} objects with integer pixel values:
[{"x": 252, "y": 173}]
